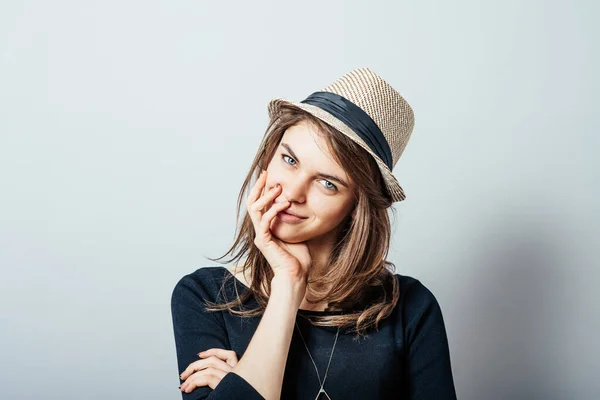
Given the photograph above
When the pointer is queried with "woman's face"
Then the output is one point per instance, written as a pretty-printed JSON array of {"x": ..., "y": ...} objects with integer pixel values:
[{"x": 318, "y": 188}]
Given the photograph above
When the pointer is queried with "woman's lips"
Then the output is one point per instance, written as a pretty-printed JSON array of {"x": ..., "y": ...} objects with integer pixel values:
[
  {"x": 293, "y": 213},
  {"x": 289, "y": 212},
  {"x": 289, "y": 218}
]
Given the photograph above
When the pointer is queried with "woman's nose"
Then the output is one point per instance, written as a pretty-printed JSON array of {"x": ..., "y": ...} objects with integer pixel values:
[{"x": 293, "y": 190}]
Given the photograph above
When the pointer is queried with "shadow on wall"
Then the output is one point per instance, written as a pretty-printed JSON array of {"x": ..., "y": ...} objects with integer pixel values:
[{"x": 514, "y": 301}]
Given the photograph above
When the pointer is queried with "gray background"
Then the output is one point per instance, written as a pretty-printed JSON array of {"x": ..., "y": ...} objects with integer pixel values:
[{"x": 126, "y": 129}]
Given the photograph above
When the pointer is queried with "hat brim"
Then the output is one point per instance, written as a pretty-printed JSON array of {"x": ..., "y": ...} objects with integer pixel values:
[{"x": 390, "y": 180}]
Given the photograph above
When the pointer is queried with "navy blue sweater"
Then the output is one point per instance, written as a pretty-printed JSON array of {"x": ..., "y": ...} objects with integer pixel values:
[{"x": 407, "y": 358}]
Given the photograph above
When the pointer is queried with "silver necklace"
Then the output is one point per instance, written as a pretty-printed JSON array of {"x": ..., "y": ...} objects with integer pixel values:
[{"x": 321, "y": 390}]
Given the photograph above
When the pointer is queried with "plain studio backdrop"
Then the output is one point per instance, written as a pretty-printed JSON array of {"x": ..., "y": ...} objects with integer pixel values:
[{"x": 126, "y": 129}]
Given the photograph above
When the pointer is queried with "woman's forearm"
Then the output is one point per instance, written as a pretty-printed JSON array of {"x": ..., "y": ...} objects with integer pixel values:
[{"x": 263, "y": 362}]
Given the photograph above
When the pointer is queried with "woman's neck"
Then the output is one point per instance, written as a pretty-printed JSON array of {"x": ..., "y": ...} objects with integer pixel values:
[{"x": 236, "y": 271}]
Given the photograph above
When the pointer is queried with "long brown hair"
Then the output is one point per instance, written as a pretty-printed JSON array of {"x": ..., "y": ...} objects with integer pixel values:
[{"x": 361, "y": 281}]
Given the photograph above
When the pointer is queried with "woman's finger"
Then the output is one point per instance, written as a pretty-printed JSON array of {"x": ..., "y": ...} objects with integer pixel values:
[
  {"x": 212, "y": 361},
  {"x": 207, "y": 377},
  {"x": 265, "y": 222},
  {"x": 264, "y": 201},
  {"x": 256, "y": 191},
  {"x": 228, "y": 356}
]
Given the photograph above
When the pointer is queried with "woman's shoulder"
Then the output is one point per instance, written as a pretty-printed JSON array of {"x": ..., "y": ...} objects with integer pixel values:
[
  {"x": 417, "y": 302},
  {"x": 414, "y": 294},
  {"x": 208, "y": 274},
  {"x": 408, "y": 281},
  {"x": 203, "y": 282}
]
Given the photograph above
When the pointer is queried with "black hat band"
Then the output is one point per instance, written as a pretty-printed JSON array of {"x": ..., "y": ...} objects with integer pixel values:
[{"x": 356, "y": 119}]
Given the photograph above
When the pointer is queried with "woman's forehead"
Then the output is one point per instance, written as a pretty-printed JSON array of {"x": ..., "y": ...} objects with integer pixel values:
[{"x": 304, "y": 139}]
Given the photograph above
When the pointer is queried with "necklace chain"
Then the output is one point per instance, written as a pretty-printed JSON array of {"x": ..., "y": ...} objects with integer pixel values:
[{"x": 321, "y": 390}]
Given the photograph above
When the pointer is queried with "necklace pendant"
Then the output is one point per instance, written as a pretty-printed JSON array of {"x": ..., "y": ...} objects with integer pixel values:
[{"x": 324, "y": 392}]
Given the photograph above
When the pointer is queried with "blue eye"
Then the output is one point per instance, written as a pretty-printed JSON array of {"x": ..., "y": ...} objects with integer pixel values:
[
  {"x": 284, "y": 156},
  {"x": 332, "y": 187}
]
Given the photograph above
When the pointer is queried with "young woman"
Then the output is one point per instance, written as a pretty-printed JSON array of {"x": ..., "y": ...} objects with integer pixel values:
[{"x": 314, "y": 310}]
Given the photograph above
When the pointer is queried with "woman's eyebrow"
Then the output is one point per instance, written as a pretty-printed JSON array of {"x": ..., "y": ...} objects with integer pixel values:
[{"x": 321, "y": 174}]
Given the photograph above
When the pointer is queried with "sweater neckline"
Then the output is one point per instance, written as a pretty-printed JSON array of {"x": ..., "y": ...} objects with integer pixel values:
[{"x": 300, "y": 310}]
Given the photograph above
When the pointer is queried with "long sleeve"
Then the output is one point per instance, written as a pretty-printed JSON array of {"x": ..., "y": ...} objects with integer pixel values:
[
  {"x": 428, "y": 371},
  {"x": 197, "y": 330}
]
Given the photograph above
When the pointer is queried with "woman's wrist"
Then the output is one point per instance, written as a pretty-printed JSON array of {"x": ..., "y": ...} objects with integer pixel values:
[{"x": 288, "y": 289}]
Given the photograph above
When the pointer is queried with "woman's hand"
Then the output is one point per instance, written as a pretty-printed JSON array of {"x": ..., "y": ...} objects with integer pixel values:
[
  {"x": 289, "y": 260},
  {"x": 209, "y": 371}
]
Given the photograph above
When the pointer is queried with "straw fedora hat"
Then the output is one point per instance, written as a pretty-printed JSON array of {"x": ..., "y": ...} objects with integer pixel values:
[{"x": 364, "y": 107}]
